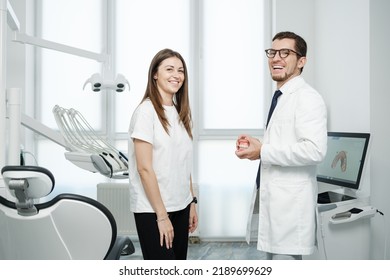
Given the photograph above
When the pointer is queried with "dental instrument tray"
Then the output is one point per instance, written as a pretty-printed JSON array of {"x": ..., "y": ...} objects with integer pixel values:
[{"x": 86, "y": 149}]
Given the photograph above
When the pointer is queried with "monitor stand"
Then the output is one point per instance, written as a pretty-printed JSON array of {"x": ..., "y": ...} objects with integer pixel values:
[{"x": 332, "y": 197}]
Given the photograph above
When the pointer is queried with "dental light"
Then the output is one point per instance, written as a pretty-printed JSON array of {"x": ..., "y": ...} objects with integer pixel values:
[{"x": 99, "y": 83}]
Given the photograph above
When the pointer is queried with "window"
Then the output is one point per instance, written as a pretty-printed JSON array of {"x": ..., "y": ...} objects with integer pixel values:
[
  {"x": 231, "y": 83},
  {"x": 232, "y": 62},
  {"x": 142, "y": 29},
  {"x": 62, "y": 75},
  {"x": 60, "y": 79}
]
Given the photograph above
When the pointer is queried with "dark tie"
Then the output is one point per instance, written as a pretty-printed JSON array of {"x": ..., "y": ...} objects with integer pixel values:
[{"x": 271, "y": 110}]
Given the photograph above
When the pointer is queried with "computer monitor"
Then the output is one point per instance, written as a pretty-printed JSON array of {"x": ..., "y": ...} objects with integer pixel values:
[{"x": 344, "y": 161}]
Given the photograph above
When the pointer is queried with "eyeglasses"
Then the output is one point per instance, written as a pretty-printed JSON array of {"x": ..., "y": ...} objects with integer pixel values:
[{"x": 283, "y": 53}]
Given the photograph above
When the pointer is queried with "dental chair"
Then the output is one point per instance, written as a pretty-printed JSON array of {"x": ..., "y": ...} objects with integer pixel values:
[{"x": 69, "y": 226}]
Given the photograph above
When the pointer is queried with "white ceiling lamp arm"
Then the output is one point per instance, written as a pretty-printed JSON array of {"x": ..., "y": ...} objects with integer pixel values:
[
  {"x": 43, "y": 130},
  {"x": 12, "y": 19},
  {"x": 26, "y": 39}
]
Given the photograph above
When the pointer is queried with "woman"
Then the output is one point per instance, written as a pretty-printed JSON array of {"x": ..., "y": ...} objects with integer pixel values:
[{"x": 160, "y": 161}]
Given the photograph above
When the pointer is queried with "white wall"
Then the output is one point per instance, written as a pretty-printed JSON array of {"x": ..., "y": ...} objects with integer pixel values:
[
  {"x": 379, "y": 121},
  {"x": 343, "y": 65},
  {"x": 342, "y": 70},
  {"x": 298, "y": 16}
]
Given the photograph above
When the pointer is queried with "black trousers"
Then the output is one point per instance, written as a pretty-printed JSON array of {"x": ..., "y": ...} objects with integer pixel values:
[{"x": 149, "y": 235}]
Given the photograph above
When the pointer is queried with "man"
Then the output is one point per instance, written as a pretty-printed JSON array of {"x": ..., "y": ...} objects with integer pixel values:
[{"x": 294, "y": 143}]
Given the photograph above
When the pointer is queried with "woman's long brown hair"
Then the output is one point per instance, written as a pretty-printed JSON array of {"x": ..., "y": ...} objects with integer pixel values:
[{"x": 181, "y": 98}]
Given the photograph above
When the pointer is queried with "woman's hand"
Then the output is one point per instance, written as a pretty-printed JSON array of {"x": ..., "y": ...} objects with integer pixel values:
[
  {"x": 166, "y": 231},
  {"x": 193, "y": 222}
]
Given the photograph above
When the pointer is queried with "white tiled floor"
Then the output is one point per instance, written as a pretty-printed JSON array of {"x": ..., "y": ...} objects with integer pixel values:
[{"x": 212, "y": 251}]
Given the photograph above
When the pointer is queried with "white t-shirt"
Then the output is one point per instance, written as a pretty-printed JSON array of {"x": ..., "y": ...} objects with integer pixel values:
[{"x": 172, "y": 158}]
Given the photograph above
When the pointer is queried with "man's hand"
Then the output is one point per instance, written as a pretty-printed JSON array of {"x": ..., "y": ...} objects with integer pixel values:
[{"x": 248, "y": 147}]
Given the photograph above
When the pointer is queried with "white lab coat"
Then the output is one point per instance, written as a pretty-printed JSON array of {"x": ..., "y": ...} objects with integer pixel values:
[{"x": 294, "y": 143}]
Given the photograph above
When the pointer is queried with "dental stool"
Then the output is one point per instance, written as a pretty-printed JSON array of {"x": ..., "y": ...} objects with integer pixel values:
[{"x": 69, "y": 226}]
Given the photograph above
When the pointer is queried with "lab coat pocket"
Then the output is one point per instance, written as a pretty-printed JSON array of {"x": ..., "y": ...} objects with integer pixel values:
[{"x": 286, "y": 206}]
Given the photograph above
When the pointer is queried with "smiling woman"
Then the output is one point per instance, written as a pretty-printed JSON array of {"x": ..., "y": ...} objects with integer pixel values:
[{"x": 160, "y": 161}]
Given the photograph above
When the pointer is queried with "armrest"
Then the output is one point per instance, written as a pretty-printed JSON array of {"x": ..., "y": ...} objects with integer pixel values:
[{"x": 122, "y": 246}]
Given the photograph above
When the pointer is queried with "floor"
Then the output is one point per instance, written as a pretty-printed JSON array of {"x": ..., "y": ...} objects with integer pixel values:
[{"x": 212, "y": 251}]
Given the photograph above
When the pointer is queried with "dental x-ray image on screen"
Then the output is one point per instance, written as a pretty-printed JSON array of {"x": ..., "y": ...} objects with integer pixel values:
[{"x": 344, "y": 160}]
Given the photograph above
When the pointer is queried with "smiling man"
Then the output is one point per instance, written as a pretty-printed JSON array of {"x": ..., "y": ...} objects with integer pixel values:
[{"x": 295, "y": 141}]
